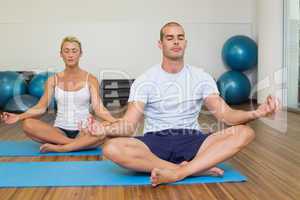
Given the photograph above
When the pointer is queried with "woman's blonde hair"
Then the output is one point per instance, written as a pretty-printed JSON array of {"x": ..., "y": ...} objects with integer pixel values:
[{"x": 70, "y": 39}]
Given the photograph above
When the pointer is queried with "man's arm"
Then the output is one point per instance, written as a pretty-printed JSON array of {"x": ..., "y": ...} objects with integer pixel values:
[
  {"x": 123, "y": 127},
  {"x": 223, "y": 112}
]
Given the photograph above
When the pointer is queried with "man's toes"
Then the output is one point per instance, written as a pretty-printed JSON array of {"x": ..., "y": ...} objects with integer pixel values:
[
  {"x": 154, "y": 176},
  {"x": 215, "y": 171}
]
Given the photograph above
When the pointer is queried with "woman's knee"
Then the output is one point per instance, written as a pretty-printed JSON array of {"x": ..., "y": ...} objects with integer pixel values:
[{"x": 27, "y": 125}]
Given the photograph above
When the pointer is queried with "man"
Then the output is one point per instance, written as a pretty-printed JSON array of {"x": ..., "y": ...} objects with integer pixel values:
[{"x": 170, "y": 96}]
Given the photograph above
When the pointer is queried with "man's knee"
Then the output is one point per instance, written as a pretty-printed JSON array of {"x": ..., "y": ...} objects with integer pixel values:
[
  {"x": 112, "y": 150},
  {"x": 121, "y": 151},
  {"x": 245, "y": 135}
]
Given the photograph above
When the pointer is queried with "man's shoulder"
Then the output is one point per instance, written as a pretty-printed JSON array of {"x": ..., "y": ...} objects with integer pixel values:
[
  {"x": 149, "y": 75},
  {"x": 198, "y": 72}
]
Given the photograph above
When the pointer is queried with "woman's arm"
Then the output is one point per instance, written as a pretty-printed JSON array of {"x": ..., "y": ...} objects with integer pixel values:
[
  {"x": 97, "y": 104},
  {"x": 38, "y": 109},
  {"x": 41, "y": 106}
]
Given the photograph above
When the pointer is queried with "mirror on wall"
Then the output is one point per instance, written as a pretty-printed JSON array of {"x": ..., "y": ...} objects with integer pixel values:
[{"x": 292, "y": 52}]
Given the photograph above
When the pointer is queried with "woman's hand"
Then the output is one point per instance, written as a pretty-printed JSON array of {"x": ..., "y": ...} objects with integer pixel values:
[
  {"x": 9, "y": 118},
  {"x": 93, "y": 127}
]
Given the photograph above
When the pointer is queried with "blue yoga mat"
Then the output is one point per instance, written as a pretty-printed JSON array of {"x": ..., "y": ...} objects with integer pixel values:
[
  {"x": 89, "y": 173},
  {"x": 31, "y": 148}
]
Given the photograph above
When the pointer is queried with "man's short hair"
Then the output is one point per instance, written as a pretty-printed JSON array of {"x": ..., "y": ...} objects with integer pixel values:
[{"x": 166, "y": 25}]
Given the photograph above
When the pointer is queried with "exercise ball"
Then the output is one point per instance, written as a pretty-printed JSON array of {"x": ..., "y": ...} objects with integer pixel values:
[
  {"x": 240, "y": 53},
  {"x": 11, "y": 84},
  {"x": 20, "y": 103},
  {"x": 37, "y": 84},
  {"x": 36, "y": 87},
  {"x": 234, "y": 87}
]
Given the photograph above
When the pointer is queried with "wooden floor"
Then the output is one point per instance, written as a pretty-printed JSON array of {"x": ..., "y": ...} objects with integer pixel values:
[{"x": 271, "y": 163}]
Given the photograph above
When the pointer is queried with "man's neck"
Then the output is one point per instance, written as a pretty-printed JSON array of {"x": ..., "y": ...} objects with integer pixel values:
[{"x": 172, "y": 66}]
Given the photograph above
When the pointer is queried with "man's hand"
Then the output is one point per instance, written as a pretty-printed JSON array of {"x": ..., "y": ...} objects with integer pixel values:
[
  {"x": 268, "y": 108},
  {"x": 9, "y": 118},
  {"x": 93, "y": 127}
]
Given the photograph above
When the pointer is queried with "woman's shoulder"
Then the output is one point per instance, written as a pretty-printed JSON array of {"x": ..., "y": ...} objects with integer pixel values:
[
  {"x": 51, "y": 80},
  {"x": 92, "y": 79},
  {"x": 58, "y": 75}
]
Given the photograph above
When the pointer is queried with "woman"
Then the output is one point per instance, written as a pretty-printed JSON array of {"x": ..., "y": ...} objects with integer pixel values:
[{"x": 74, "y": 89}]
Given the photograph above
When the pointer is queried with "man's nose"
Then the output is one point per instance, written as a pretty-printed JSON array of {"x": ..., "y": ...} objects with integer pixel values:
[{"x": 176, "y": 41}]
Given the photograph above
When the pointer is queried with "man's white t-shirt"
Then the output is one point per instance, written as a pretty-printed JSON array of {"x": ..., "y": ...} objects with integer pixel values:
[{"x": 172, "y": 101}]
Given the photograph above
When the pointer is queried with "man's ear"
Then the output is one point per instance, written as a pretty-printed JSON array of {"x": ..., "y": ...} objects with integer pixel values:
[{"x": 159, "y": 44}]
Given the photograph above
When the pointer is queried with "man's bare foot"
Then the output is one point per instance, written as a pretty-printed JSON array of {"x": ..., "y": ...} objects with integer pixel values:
[
  {"x": 214, "y": 171},
  {"x": 160, "y": 176},
  {"x": 51, "y": 148}
]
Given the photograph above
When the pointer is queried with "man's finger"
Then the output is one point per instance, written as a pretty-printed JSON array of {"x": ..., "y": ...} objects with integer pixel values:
[
  {"x": 278, "y": 105},
  {"x": 94, "y": 128},
  {"x": 89, "y": 127},
  {"x": 272, "y": 105}
]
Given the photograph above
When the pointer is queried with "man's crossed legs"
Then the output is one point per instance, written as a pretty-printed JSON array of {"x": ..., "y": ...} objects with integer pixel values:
[{"x": 172, "y": 155}]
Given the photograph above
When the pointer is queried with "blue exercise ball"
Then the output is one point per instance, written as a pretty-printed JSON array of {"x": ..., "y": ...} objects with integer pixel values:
[
  {"x": 20, "y": 103},
  {"x": 234, "y": 87},
  {"x": 240, "y": 53},
  {"x": 11, "y": 84},
  {"x": 36, "y": 86}
]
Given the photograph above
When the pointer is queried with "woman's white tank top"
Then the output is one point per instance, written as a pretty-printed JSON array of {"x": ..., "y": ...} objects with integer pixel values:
[{"x": 72, "y": 106}]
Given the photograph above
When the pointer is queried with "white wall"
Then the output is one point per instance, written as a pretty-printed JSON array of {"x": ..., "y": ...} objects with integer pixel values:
[
  {"x": 126, "y": 10},
  {"x": 118, "y": 35}
]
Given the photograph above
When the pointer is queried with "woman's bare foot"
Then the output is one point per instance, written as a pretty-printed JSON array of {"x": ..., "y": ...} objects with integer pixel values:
[{"x": 51, "y": 148}]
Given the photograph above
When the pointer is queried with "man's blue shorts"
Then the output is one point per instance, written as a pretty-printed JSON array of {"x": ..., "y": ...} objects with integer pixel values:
[{"x": 174, "y": 145}]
